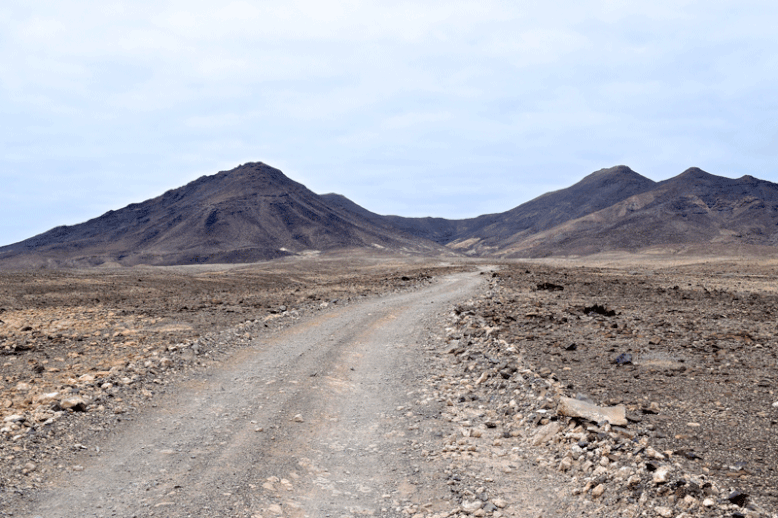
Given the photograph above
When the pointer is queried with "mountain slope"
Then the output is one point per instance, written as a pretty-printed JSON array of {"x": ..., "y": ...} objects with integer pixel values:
[
  {"x": 254, "y": 212},
  {"x": 489, "y": 233},
  {"x": 692, "y": 211},
  {"x": 250, "y": 213}
]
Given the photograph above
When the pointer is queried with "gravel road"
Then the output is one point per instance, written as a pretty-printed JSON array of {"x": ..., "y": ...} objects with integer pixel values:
[{"x": 321, "y": 419}]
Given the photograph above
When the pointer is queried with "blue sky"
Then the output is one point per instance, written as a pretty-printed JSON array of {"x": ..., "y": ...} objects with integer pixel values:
[{"x": 450, "y": 108}]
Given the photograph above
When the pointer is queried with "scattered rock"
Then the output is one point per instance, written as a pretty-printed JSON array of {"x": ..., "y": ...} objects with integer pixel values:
[
  {"x": 623, "y": 359},
  {"x": 661, "y": 475},
  {"x": 75, "y": 403},
  {"x": 738, "y": 498},
  {"x": 599, "y": 310},
  {"x": 616, "y": 415},
  {"x": 470, "y": 506}
]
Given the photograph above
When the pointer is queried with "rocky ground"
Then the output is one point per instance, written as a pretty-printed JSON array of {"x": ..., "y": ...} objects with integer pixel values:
[
  {"x": 83, "y": 350},
  {"x": 623, "y": 391},
  {"x": 686, "y": 355}
]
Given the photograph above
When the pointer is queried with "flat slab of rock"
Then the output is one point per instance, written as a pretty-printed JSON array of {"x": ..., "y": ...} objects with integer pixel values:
[{"x": 615, "y": 415}]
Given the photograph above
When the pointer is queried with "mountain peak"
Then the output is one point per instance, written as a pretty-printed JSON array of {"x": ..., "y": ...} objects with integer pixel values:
[
  {"x": 695, "y": 178},
  {"x": 615, "y": 174},
  {"x": 695, "y": 172},
  {"x": 249, "y": 213},
  {"x": 615, "y": 170}
]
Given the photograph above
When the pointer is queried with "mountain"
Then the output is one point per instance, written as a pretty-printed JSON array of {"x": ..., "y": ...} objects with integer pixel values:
[
  {"x": 694, "y": 211},
  {"x": 492, "y": 232},
  {"x": 439, "y": 230},
  {"x": 618, "y": 209},
  {"x": 253, "y": 212},
  {"x": 599, "y": 190}
]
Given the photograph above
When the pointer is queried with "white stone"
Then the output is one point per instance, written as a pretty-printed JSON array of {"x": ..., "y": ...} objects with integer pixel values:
[
  {"x": 47, "y": 398},
  {"x": 652, "y": 453},
  {"x": 570, "y": 407},
  {"x": 664, "y": 512},
  {"x": 661, "y": 475}
]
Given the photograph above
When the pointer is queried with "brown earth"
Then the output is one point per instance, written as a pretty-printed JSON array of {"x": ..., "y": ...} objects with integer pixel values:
[
  {"x": 690, "y": 350},
  {"x": 479, "y": 390},
  {"x": 81, "y": 350}
]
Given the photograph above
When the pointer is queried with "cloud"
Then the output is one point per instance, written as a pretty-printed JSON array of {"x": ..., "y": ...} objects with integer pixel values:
[{"x": 472, "y": 104}]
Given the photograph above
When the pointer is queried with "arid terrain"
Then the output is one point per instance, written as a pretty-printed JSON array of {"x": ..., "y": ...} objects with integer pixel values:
[
  {"x": 254, "y": 213},
  {"x": 356, "y": 385}
]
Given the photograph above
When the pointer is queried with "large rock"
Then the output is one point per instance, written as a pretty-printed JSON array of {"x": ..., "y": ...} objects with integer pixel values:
[
  {"x": 545, "y": 433},
  {"x": 615, "y": 415}
]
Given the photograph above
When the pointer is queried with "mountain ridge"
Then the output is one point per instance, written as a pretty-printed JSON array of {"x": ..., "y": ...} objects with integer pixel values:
[{"x": 254, "y": 212}]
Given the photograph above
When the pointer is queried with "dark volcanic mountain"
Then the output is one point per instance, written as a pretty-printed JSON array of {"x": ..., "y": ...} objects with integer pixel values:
[
  {"x": 254, "y": 212},
  {"x": 599, "y": 190},
  {"x": 493, "y": 232},
  {"x": 250, "y": 213},
  {"x": 695, "y": 211},
  {"x": 616, "y": 209}
]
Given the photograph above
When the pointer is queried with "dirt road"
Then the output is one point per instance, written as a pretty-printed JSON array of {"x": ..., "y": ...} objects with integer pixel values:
[{"x": 330, "y": 417}]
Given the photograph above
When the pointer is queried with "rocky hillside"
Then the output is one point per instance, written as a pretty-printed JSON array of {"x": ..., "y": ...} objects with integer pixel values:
[
  {"x": 695, "y": 211},
  {"x": 617, "y": 209},
  {"x": 250, "y": 213},
  {"x": 254, "y": 213}
]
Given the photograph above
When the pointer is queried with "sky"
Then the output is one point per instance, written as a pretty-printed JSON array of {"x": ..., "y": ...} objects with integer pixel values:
[{"x": 426, "y": 108}]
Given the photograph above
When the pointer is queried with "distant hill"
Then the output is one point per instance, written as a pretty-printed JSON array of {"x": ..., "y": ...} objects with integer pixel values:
[
  {"x": 601, "y": 189},
  {"x": 254, "y": 213},
  {"x": 489, "y": 232},
  {"x": 695, "y": 211},
  {"x": 251, "y": 213},
  {"x": 617, "y": 209}
]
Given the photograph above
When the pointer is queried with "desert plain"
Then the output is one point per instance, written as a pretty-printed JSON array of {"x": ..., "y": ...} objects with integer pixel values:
[{"x": 452, "y": 378}]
